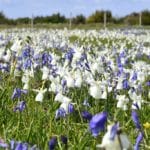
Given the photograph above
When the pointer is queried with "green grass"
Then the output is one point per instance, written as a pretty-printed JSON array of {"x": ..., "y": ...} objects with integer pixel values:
[
  {"x": 36, "y": 124},
  {"x": 89, "y": 26}
]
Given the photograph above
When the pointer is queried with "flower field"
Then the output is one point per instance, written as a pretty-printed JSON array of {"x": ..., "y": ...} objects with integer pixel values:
[{"x": 75, "y": 89}]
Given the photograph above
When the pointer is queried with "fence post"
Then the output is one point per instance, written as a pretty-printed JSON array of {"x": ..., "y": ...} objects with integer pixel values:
[
  {"x": 140, "y": 19},
  {"x": 70, "y": 21},
  {"x": 105, "y": 19},
  {"x": 32, "y": 21}
]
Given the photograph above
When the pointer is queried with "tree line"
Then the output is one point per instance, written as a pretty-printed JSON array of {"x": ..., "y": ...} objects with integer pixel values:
[{"x": 96, "y": 17}]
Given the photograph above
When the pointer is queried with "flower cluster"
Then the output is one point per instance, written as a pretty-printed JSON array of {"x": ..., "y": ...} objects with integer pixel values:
[{"x": 104, "y": 66}]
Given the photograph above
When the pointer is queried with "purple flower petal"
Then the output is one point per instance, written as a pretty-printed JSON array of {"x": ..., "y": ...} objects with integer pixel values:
[
  {"x": 125, "y": 84},
  {"x": 52, "y": 143},
  {"x": 20, "y": 106},
  {"x": 114, "y": 130},
  {"x": 70, "y": 108},
  {"x": 135, "y": 119},
  {"x": 19, "y": 146},
  {"x": 97, "y": 123},
  {"x": 60, "y": 113},
  {"x": 64, "y": 139},
  {"x": 148, "y": 83},
  {"x": 3, "y": 145},
  {"x": 138, "y": 141},
  {"x": 12, "y": 144},
  {"x": 86, "y": 115},
  {"x": 17, "y": 93},
  {"x": 134, "y": 77}
]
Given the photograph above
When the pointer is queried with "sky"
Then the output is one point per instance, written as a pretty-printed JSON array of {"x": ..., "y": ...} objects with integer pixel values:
[{"x": 25, "y": 8}]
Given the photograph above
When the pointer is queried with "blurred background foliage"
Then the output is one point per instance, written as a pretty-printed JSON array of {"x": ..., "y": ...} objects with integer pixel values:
[{"x": 96, "y": 17}]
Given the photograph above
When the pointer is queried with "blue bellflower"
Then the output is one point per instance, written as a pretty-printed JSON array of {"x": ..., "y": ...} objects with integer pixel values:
[
  {"x": 86, "y": 115},
  {"x": 69, "y": 55},
  {"x": 60, "y": 113},
  {"x": 114, "y": 130},
  {"x": 120, "y": 71},
  {"x": 27, "y": 64},
  {"x": 63, "y": 83},
  {"x": 20, "y": 106},
  {"x": 70, "y": 108},
  {"x": 118, "y": 61},
  {"x": 138, "y": 141},
  {"x": 17, "y": 93},
  {"x": 148, "y": 83},
  {"x": 122, "y": 54},
  {"x": 26, "y": 52},
  {"x": 5, "y": 68},
  {"x": 134, "y": 77},
  {"x": 125, "y": 84},
  {"x": 135, "y": 119},
  {"x": 19, "y": 146},
  {"x": 46, "y": 59},
  {"x": 97, "y": 123},
  {"x": 12, "y": 144},
  {"x": 83, "y": 57},
  {"x": 64, "y": 139},
  {"x": 52, "y": 143},
  {"x": 15, "y": 145}
]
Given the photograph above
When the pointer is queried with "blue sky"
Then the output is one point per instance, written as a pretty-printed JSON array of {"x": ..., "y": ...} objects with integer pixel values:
[{"x": 22, "y": 8}]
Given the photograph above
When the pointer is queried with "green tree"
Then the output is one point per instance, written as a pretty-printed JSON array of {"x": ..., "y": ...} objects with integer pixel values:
[
  {"x": 57, "y": 18},
  {"x": 24, "y": 20},
  {"x": 98, "y": 16},
  {"x": 79, "y": 19},
  {"x": 3, "y": 18},
  {"x": 145, "y": 17},
  {"x": 132, "y": 19}
]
